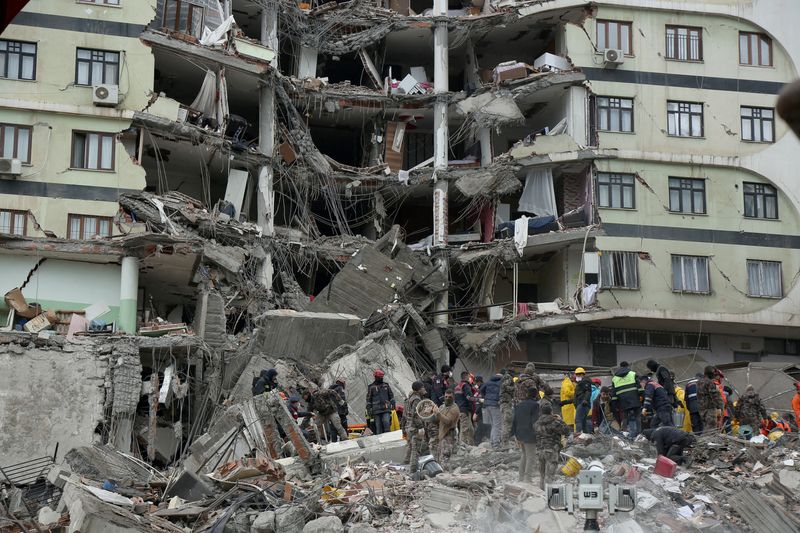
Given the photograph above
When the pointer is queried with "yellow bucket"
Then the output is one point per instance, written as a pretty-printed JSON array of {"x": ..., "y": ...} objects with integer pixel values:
[{"x": 572, "y": 467}]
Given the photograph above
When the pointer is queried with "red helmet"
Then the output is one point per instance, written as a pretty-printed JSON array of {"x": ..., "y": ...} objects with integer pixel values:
[
  {"x": 378, "y": 373},
  {"x": 596, "y": 381}
]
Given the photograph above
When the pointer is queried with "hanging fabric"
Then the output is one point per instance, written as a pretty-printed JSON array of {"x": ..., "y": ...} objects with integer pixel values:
[
  {"x": 206, "y": 101},
  {"x": 539, "y": 196}
]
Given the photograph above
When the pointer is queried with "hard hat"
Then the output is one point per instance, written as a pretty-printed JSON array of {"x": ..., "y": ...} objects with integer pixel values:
[
  {"x": 516, "y": 379},
  {"x": 596, "y": 381},
  {"x": 580, "y": 370},
  {"x": 774, "y": 415},
  {"x": 378, "y": 373}
]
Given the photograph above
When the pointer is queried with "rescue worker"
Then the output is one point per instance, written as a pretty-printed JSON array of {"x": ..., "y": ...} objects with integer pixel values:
[
  {"x": 605, "y": 416},
  {"x": 490, "y": 406},
  {"x": 656, "y": 403},
  {"x": 525, "y": 416},
  {"x": 670, "y": 442},
  {"x": 447, "y": 417},
  {"x": 709, "y": 400},
  {"x": 567, "y": 397},
  {"x": 583, "y": 402},
  {"x": 796, "y": 403},
  {"x": 625, "y": 395},
  {"x": 664, "y": 378},
  {"x": 549, "y": 429},
  {"x": 464, "y": 396},
  {"x": 294, "y": 408},
  {"x": 596, "y": 386},
  {"x": 507, "y": 389},
  {"x": 686, "y": 425},
  {"x": 325, "y": 404},
  {"x": 750, "y": 410},
  {"x": 440, "y": 383},
  {"x": 692, "y": 404},
  {"x": 265, "y": 382},
  {"x": 414, "y": 426},
  {"x": 482, "y": 427},
  {"x": 380, "y": 403},
  {"x": 529, "y": 378},
  {"x": 343, "y": 409}
]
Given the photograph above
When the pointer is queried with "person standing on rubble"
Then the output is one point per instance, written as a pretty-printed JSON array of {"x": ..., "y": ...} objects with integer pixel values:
[
  {"x": 482, "y": 427},
  {"x": 343, "y": 409},
  {"x": 447, "y": 418},
  {"x": 490, "y": 398},
  {"x": 664, "y": 378},
  {"x": 507, "y": 390},
  {"x": 796, "y": 403},
  {"x": 414, "y": 426},
  {"x": 380, "y": 403},
  {"x": 529, "y": 378},
  {"x": 549, "y": 428},
  {"x": 465, "y": 400},
  {"x": 709, "y": 400},
  {"x": 750, "y": 410},
  {"x": 583, "y": 401},
  {"x": 325, "y": 404},
  {"x": 605, "y": 417},
  {"x": 692, "y": 404},
  {"x": 625, "y": 395},
  {"x": 525, "y": 416},
  {"x": 670, "y": 442},
  {"x": 656, "y": 403},
  {"x": 266, "y": 381},
  {"x": 440, "y": 383},
  {"x": 567, "y": 399}
]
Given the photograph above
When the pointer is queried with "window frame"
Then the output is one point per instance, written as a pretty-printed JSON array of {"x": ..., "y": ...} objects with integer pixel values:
[
  {"x": 680, "y": 188},
  {"x": 625, "y": 257},
  {"x": 109, "y": 3},
  {"x": 752, "y": 119},
  {"x": 35, "y": 55},
  {"x": 678, "y": 113},
  {"x": 622, "y": 186},
  {"x": 761, "y": 263},
  {"x": 82, "y": 228},
  {"x": 762, "y": 37},
  {"x": 755, "y": 194},
  {"x": 605, "y": 23},
  {"x": 92, "y": 82},
  {"x": 675, "y": 39},
  {"x": 176, "y": 26},
  {"x": 13, "y": 213},
  {"x": 17, "y": 127},
  {"x": 608, "y": 109},
  {"x": 683, "y": 290},
  {"x": 101, "y": 134}
]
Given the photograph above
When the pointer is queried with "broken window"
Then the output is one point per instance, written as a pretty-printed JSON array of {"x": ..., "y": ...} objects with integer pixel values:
[
  {"x": 690, "y": 274},
  {"x": 755, "y": 49},
  {"x": 687, "y": 195},
  {"x": 619, "y": 270},
  {"x": 93, "y": 67},
  {"x": 184, "y": 17},
  {"x": 17, "y": 60},
  {"x": 764, "y": 279},
  {"x": 684, "y": 43},
  {"x": 92, "y": 150},
  {"x": 615, "y": 35},
  {"x": 758, "y": 124},
  {"x": 15, "y": 142},
  {"x": 685, "y": 119},
  {"x": 760, "y": 201},
  {"x": 616, "y": 190},
  {"x": 13, "y": 222},
  {"x": 615, "y": 114},
  {"x": 84, "y": 227}
]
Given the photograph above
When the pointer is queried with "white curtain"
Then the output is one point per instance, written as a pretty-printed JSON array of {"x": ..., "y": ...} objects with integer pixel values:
[
  {"x": 206, "y": 101},
  {"x": 539, "y": 196}
]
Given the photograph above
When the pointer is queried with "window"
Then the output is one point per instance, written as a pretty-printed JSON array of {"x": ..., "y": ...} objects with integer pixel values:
[
  {"x": 755, "y": 49},
  {"x": 615, "y": 35},
  {"x": 779, "y": 346},
  {"x": 101, "y": 2},
  {"x": 684, "y": 43},
  {"x": 685, "y": 119},
  {"x": 764, "y": 279},
  {"x": 183, "y": 16},
  {"x": 687, "y": 195},
  {"x": 760, "y": 200},
  {"x": 614, "y": 114},
  {"x": 17, "y": 60},
  {"x": 84, "y": 227},
  {"x": 619, "y": 270},
  {"x": 93, "y": 67},
  {"x": 641, "y": 337},
  {"x": 13, "y": 222},
  {"x": 758, "y": 124},
  {"x": 92, "y": 151},
  {"x": 616, "y": 190},
  {"x": 15, "y": 142},
  {"x": 690, "y": 274}
]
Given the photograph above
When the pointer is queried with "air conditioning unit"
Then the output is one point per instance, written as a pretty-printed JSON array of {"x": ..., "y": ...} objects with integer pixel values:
[
  {"x": 10, "y": 167},
  {"x": 613, "y": 57},
  {"x": 105, "y": 95}
]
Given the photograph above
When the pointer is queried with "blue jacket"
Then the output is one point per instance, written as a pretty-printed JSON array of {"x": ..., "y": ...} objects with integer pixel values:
[
  {"x": 595, "y": 392},
  {"x": 656, "y": 397},
  {"x": 490, "y": 391},
  {"x": 691, "y": 397}
]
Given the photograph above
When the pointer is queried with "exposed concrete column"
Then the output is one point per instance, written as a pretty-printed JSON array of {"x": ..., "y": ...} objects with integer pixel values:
[
  {"x": 441, "y": 148},
  {"x": 484, "y": 134},
  {"x": 307, "y": 62},
  {"x": 266, "y": 142},
  {"x": 128, "y": 294}
]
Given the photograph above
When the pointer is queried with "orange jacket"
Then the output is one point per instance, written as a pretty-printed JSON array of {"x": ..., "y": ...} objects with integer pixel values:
[{"x": 796, "y": 407}]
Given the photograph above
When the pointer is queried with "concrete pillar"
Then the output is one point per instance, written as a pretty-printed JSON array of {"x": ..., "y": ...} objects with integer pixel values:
[
  {"x": 473, "y": 79},
  {"x": 128, "y": 294}
]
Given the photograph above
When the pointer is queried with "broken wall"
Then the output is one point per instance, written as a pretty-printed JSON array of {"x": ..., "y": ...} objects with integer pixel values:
[{"x": 48, "y": 397}]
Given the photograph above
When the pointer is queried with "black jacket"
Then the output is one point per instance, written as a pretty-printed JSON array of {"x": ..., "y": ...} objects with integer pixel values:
[
  {"x": 665, "y": 437},
  {"x": 265, "y": 382},
  {"x": 690, "y": 398},
  {"x": 490, "y": 391},
  {"x": 664, "y": 378},
  {"x": 380, "y": 398},
  {"x": 525, "y": 416},
  {"x": 656, "y": 398},
  {"x": 439, "y": 384},
  {"x": 465, "y": 397},
  {"x": 583, "y": 392}
]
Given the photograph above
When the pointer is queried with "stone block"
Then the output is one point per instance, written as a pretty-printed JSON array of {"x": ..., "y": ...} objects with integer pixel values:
[
  {"x": 290, "y": 519},
  {"x": 264, "y": 523},
  {"x": 189, "y": 486},
  {"x": 441, "y": 520},
  {"x": 326, "y": 524}
]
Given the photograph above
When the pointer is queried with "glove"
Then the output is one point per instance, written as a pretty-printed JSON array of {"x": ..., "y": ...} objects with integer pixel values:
[{"x": 644, "y": 412}]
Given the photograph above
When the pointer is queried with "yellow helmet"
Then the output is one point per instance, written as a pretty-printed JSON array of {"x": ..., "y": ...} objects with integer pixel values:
[
  {"x": 516, "y": 379},
  {"x": 774, "y": 415},
  {"x": 580, "y": 370}
]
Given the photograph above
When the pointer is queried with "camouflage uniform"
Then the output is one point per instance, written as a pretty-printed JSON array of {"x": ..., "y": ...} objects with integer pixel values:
[
  {"x": 325, "y": 404},
  {"x": 549, "y": 429},
  {"x": 506, "y": 407},
  {"x": 709, "y": 401},
  {"x": 412, "y": 426},
  {"x": 448, "y": 421},
  {"x": 749, "y": 409},
  {"x": 529, "y": 378}
]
